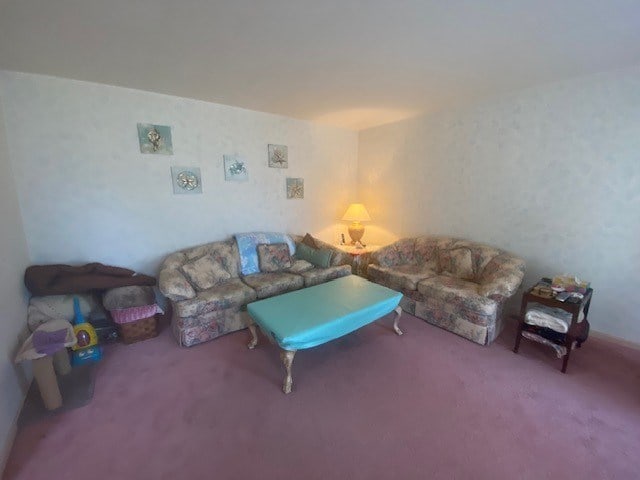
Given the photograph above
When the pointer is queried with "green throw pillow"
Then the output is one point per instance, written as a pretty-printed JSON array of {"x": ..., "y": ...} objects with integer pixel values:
[{"x": 320, "y": 258}]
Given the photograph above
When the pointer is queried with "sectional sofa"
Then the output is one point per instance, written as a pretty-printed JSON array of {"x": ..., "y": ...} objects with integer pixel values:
[
  {"x": 202, "y": 314},
  {"x": 456, "y": 284}
]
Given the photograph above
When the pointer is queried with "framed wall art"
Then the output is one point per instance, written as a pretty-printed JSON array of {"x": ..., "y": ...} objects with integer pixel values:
[
  {"x": 155, "y": 138},
  {"x": 295, "y": 187},
  {"x": 278, "y": 156},
  {"x": 235, "y": 169},
  {"x": 186, "y": 180}
]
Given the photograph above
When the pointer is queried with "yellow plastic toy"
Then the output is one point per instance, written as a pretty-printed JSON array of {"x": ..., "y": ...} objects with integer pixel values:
[
  {"x": 86, "y": 349},
  {"x": 86, "y": 335}
]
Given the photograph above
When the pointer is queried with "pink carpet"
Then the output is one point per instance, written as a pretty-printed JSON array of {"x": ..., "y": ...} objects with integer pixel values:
[{"x": 368, "y": 406}]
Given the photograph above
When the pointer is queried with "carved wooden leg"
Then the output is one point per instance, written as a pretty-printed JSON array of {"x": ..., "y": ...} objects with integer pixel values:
[
  {"x": 396, "y": 320},
  {"x": 287, "y": 359},
  {"x": 254, "y": 337}
]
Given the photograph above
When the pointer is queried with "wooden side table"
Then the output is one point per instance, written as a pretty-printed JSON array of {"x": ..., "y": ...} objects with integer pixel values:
[
  {"x": 360, "y": 256},
  {"x": 578, "y": 331}
]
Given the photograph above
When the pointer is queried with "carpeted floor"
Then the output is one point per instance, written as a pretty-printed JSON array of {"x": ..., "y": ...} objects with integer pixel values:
[{"x": 368, "y": 406}]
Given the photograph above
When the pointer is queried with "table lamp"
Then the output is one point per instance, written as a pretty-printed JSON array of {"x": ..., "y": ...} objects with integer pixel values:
[{"x": 356, "y": 213}]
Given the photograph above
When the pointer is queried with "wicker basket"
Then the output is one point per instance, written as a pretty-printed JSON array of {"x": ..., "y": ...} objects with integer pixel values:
[{"x": 139, "y": 329}]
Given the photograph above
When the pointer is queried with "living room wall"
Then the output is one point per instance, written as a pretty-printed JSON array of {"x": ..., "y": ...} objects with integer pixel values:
[
  {"x": 88, "y": 194},
  {"x": 551, "y": 173},
  {"x": 13, "y": 309}
]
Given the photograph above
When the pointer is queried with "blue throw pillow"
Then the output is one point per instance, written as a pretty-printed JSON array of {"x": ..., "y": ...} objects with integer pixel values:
[{"x": 320, "y": 257}]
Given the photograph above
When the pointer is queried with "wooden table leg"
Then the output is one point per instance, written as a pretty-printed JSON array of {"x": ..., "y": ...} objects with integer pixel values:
[
  {"x": 287, "y": 359},
  {"x": 398, "y": 311},
  {"x": 254, "y": 337},
  {"x": 523, "y": 311}
]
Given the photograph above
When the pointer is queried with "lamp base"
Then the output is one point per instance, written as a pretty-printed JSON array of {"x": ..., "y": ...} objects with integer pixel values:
[{"x": 356, "y": 231}]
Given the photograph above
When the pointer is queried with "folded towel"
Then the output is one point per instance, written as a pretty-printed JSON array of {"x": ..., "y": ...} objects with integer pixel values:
[{"x": 554, "y": 318}]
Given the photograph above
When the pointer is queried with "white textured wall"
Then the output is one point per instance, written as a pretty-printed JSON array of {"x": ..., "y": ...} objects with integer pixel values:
[
  {"x": 13, "y": 306},
  {"x": 88, "y": 194},
  {"x": 551, "y": 173}
]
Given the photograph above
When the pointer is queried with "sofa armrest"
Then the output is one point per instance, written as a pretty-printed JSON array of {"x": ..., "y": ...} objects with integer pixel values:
[
  {"x": 174, "y": 285},
  {"x": 502, "y": 276}
]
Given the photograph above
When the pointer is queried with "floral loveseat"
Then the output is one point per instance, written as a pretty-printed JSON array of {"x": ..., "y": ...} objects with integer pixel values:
[
  {"x": 455, "y": 284},
  {"x": 202, "y": 314}
]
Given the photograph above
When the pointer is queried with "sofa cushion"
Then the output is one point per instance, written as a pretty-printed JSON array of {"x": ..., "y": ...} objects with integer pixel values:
[
  {"x": 318, "y": 257},
  {"x": 457, "y": 262},
  {"x": 426, "y": 252},
  {"x": 338, "y": 257},
  {"x": 270, "y": 284},
  {"x": 274, "y": 257},
  {"x": 205, "y": 272},
  {"x": 225, "y": 252},
  {"x": 317, "y": 276},
  {"x": 402, "y": 277},
  {"x": 309, "y": 241},
  {"x": 232, "y": 293},
  {"x": 406, "y": 251},
  {"x": 299, "y": 266},
  {"x": 387, "y": 256},
  {"x": 459, "y": 294}
]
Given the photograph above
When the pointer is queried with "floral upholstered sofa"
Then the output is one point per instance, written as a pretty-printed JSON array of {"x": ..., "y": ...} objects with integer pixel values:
[
  {"x": 209, "y": 293},
  {"x": 455, "y": 284}
]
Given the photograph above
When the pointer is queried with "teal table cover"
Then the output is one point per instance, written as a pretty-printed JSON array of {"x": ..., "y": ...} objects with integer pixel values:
[{"x": 316, "y": 315}]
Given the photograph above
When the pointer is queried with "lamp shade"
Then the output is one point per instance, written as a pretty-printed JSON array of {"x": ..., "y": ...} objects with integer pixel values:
[{"x": 356, "y": 213}]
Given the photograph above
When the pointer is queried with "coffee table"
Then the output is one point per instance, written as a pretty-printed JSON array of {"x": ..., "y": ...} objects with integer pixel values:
[{"x": 316, "y": 315}]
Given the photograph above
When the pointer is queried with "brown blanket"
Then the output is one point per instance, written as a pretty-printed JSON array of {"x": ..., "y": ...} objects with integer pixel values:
[{"x": 65, "y": 279}]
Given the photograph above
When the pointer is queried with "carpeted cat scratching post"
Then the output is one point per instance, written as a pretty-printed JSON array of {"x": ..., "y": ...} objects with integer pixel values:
[
  {"x": 46, "y": 348},
  {"x": 47, "y": 381}
]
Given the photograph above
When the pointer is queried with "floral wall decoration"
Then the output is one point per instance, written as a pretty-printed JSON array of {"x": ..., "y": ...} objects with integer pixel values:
[
  {"x": 295, "y": 187},
  {"x": 155, "y": 139},
  {"x": 278, "y": 156},
  {"x": 235, "y": 169},
  {"x": 186, "y": 180}
]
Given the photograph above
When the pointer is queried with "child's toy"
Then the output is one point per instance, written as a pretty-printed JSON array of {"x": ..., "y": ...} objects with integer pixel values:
[{"x": 87, "y": 348}]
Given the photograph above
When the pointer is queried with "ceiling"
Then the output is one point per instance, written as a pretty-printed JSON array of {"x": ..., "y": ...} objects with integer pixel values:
[{"x": 349, "y": 63}]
